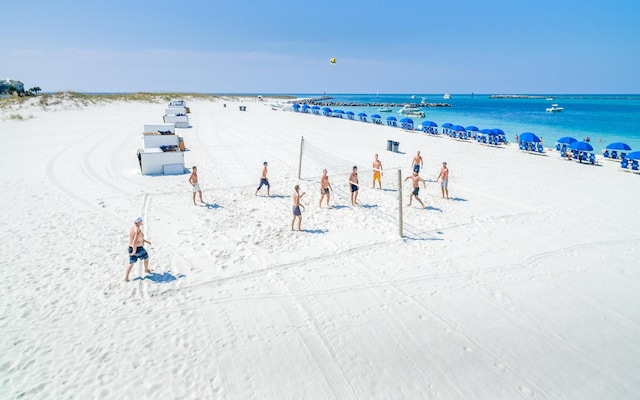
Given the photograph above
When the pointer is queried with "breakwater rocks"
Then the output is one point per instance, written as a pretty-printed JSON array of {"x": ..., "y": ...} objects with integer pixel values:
[
  {"x": 515, "y": 96},
  {"x": 326, "y": 101}
]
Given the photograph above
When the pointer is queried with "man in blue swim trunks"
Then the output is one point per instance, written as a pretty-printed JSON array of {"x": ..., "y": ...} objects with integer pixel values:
[
  {"x": 354, "y": 185},
  {"x": 137, "y": 241},
  {"x": 417, "y": 162},
  {"x": 296, "y": 207},
  {"x": 264, "y": 181}
]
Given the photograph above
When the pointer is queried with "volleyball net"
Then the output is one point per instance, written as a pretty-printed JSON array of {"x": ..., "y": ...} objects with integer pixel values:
[{"x": 385, "y": 203}]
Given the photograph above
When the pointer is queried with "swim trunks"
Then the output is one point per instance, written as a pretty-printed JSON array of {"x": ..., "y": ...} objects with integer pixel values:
[
  {"x": 140, "y": 254},
  {"x": 324, "y": 190},
  {"x": 354, "y": 188},
  {"x": 416, "y": 167},
  {"x": 296, "y": 211},
  {"x": 416, "y": 191},
  {"x": 263, "y": 182},
  {"x": 376, "y": 176},
  {"x": 445, "y": 183},
  {"x": 196, "y": 187}
]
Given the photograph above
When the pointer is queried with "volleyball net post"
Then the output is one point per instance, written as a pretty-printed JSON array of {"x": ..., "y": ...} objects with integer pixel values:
[
  {"x": 300, "y": 160},
  {"x": 400, "y": 203}
]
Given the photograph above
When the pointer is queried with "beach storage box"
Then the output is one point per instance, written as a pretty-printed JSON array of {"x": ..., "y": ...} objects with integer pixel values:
[{"x": 154, "y": 161}]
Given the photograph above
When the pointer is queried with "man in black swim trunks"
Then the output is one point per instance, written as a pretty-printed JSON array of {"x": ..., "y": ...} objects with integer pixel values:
[
  {"x": 325, "y": 188},
  {"x": 297, "y": 213},
  {"x": 415, "y": 180}
]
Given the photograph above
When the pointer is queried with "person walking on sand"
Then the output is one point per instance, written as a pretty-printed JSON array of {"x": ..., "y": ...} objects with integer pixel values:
[
  {"x": 354, "y": 185},
  {"x": 444, "y": 174},
  {"x": 415, "y": 180},
  {"x": 296, "y": 207},
  {"x": 137, "y": 241},
  {"x": 325, "y": 188},
  {"x": 377, "y": 172},
  {"x": 193, "y": 180},
  {"x": 417, "y": 162},
  {"x": 264, "y": 181}
]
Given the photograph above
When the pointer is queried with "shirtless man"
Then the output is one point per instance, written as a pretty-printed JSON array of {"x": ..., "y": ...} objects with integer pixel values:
[
  {"x": 377, "y": 172},
  {"x": 325, "y": 188},
  {"x": 137, "y": 241},
  {"x": 354, "y": 185},
  {"x": 193, "y": 180},
  {"x": 264, "y": 180},
  {"x": 416, "y": 163},
  {"x": 444, "y": 174},
  {"x": 296, "y": 207},
  {"x": 415, "y": 180}
]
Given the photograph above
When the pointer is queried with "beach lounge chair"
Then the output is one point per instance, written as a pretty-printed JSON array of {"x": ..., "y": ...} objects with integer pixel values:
[
  {"x": 624, "y": 164},
  {"x": 592, "y": 158},
  {"x": 623, "y": 155},
  {"x": 614, "y": 154},
  {"x": 606, "y": 154},
  {"x": 634, "y": 165}
]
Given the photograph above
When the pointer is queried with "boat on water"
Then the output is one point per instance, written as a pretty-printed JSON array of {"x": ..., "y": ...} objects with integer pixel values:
[
  {"x": 549, "y": 98},
  {"x": 555, "y": 108},
  {"x": 384, "y": 109},
  {"x": 446, "y": 96},
  {"x": 407, "y": 109},
  {"x": 415, "y": 114}
]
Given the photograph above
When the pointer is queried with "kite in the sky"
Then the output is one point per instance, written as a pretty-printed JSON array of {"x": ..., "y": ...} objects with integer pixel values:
[{"x": 333, "y": 61}]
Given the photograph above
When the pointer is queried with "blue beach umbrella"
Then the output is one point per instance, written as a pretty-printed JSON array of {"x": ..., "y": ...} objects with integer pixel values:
[
  {"x": 447, "y": 125},
  {"x": 326, "y": 109},
  {"x": 486, "y": 131},
  {"x": 618, "y": 146},
  {"x": 634, "y": 155},
  {"x": 362, "y": 114},
  {"x": 429, "y": 123},
  {"x": 529, "y": 137},
  {"x": 338, "y": 111},
  {"x": 566, "y": 140},
  {"x": 582, "y": 146},
  {"x": 459, "y": 128},
  {"x": 497, "y": 131},
  {"x": 315, "y": 107},
  {"x": 377, "y": 116},
  {"x": 472, "y": 128},
  {"x": 305, "y": 106},
  {"x": 392, "y": 118},
  {"x": 349, "y": 113},
  {"x": 406, "y": 120}
]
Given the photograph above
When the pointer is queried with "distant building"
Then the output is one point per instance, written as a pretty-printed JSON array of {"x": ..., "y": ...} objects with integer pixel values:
[{"x": 6, "y": 83}]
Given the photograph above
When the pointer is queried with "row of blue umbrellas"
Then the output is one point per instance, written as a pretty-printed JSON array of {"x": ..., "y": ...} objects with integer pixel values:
[{"x": 574, "y": 144}]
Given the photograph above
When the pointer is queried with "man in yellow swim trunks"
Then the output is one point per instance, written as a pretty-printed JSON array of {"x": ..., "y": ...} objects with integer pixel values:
[{"x": 377, "y": 172}]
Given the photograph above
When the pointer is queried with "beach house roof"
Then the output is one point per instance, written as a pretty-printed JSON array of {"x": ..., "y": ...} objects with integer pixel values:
[{"x": 5, "y": 83}]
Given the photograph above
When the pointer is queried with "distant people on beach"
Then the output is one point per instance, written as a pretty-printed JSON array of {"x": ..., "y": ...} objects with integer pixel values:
[
  {"x": 377, "y": 172},
  {"x": 193, "y": 180},
  {"x": 325, "y": 188},
  {"x": 264, "y": 181},
  {"x": 444, "y": 174},
  {"x": 354, "y": 185},
  {"x": 136, "y": 248},
  {"x": 297, "y": 213},
  {"x": 417, "y": 162},
  {"x": 415, "y": 180}
]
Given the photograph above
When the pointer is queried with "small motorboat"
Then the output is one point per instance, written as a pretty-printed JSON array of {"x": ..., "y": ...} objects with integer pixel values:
[
  {"x": 408, "y": 109},
  {"x": 554, "y": 108},
  {"x": 384, "y": 109},
  {"x": 446, "y": 96}
]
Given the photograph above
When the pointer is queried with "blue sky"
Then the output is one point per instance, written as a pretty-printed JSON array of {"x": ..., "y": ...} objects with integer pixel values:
[{"x": 283, "y": 46}]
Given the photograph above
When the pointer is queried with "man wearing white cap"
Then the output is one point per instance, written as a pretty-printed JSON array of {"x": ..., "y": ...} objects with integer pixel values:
[{"x": 136, "y": 248}]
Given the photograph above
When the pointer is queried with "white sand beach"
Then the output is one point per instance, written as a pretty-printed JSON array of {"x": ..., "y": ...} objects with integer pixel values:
[{"x": 523, "y": 285}]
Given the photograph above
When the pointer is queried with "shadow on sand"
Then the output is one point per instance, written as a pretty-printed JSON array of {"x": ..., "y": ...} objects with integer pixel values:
[{"x": 165, "y": 277}]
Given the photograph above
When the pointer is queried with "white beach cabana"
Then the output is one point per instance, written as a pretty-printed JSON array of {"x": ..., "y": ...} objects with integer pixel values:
[{"x": 161, "y": 153}]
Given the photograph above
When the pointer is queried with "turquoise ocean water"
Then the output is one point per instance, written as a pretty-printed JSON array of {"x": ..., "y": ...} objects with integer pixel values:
[{"x": 602, "y": 118}]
